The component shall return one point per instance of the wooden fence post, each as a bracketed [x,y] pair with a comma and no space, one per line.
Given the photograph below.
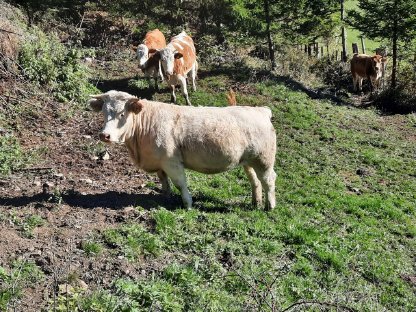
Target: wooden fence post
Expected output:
[363,44]
[354,48]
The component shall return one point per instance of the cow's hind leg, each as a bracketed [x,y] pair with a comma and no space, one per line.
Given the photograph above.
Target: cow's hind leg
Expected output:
[255,186]
[176,173]
[165,182]
[267,178]
[193,75]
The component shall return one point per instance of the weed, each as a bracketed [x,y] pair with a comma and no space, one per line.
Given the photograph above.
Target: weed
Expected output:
[22,274]
[91,248]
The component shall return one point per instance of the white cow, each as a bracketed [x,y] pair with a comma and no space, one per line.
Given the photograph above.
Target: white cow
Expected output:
[167,138]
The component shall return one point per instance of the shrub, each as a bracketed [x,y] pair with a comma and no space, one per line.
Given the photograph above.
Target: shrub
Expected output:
[51,64]
[333,73]
[397,101]
[11,154]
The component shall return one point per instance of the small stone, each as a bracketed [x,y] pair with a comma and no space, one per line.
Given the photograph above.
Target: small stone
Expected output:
[120,257]
[82,284]
[65,289]
[59,175]
[86,137]
[106,156]
[37,183]
[88,181]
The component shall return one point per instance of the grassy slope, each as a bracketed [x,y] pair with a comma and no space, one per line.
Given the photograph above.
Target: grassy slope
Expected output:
[343,231]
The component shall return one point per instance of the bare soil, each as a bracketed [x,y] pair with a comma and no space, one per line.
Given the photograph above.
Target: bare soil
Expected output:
[76,192]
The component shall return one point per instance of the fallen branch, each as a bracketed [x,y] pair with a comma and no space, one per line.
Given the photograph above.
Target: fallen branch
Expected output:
[11,32]
[325,304]
[33,169]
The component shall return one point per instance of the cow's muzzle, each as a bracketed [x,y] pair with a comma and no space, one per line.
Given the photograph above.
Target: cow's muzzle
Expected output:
[104,137]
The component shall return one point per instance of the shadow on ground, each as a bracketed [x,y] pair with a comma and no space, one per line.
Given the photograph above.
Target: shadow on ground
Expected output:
[245,74]
[122,84]
[120,200]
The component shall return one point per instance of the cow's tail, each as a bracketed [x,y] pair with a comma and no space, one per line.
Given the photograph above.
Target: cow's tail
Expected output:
[232,101]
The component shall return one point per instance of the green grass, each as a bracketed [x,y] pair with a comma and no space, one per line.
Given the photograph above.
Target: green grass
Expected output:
[343,231]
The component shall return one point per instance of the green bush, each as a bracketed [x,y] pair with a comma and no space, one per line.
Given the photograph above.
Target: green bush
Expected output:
[11,154]
[51,64]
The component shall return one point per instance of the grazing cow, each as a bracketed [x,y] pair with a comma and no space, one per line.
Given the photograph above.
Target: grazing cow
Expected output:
[148,63]
[178,59]
[166,139]
[369,67]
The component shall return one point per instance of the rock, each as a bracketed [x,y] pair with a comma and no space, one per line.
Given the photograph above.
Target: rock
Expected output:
[88,181]
[59,175]
[86,137]
[106,156]
[81,284]
[37,183]
[65,289]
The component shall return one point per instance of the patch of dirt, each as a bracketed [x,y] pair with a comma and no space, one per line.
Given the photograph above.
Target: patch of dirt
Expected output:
[76,192]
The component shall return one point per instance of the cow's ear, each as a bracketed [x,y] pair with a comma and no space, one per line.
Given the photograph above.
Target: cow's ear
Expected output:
[134,105]
[96,102]
[384,59]
[178,55]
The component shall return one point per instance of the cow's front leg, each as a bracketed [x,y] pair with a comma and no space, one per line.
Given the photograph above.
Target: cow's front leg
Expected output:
[182,82]
[172,94]
[165,182]
[176,173]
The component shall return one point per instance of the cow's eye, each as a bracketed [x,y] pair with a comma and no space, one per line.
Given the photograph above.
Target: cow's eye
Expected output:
[122,115]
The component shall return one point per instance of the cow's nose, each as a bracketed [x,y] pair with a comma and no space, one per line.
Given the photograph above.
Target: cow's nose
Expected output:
[104,137]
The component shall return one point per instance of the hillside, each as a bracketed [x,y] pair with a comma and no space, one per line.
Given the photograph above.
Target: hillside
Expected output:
[83,230]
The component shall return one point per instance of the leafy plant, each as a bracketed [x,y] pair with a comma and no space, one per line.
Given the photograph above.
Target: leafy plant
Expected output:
[50,63]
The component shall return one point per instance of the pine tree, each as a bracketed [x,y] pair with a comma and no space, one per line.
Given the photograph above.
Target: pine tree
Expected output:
[394,20]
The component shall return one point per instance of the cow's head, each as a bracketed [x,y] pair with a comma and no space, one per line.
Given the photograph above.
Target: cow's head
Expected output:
[379,65]
[167,59]
[142,54]
[118,109]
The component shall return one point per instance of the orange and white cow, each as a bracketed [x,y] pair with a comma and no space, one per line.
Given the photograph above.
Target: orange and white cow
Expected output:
[178,60]
[148,63]
[369,67]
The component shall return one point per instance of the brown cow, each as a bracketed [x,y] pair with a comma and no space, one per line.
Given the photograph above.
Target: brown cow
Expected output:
[148,63]
[369,67]
[178,59]
[166,139]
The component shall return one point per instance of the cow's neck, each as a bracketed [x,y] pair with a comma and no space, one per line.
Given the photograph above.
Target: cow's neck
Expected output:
[140,128]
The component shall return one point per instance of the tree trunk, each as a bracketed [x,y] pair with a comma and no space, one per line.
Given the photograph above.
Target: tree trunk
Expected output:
[394,43]
[343,34]
[268,33]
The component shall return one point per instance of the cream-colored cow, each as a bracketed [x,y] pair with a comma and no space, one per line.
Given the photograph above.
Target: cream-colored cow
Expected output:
[166,139]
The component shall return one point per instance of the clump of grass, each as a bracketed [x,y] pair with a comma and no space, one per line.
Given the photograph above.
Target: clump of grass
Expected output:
[133,241]
[91,248]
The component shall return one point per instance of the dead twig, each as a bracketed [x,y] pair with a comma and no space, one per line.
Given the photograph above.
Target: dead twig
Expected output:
[10,32]
[319,303]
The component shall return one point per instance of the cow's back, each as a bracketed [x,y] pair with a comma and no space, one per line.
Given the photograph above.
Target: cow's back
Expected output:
[155,39]
[361,65]
[184,45]
[216,139]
